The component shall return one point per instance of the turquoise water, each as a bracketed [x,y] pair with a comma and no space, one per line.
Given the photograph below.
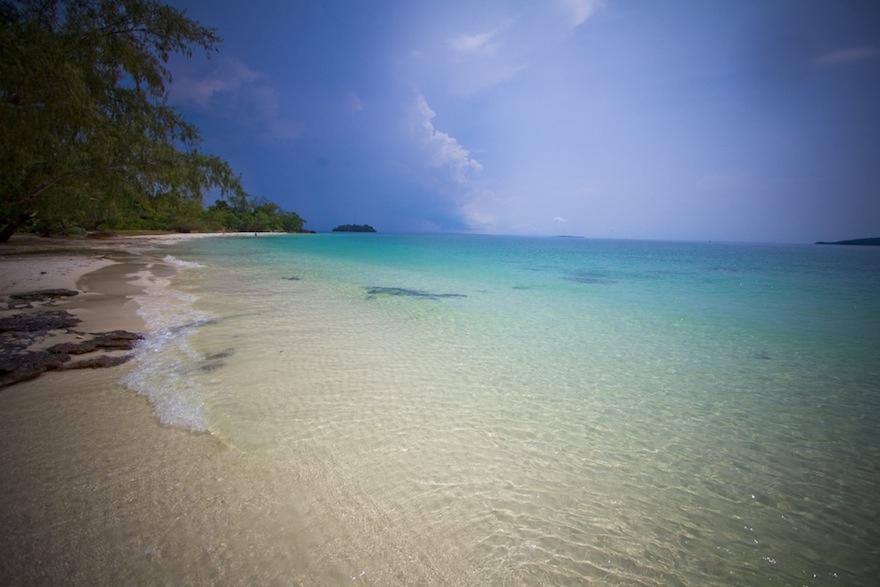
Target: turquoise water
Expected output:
[474,409]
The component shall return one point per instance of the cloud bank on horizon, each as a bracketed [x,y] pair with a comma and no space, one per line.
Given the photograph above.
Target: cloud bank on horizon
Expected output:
[606,118]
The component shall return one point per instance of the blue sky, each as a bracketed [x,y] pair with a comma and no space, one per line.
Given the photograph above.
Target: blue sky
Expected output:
[741,120]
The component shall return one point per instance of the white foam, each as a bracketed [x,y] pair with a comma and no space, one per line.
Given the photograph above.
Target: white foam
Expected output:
[180,263]
[163,364]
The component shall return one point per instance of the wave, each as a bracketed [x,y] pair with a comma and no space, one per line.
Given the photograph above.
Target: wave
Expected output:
[180,263]
[163,359]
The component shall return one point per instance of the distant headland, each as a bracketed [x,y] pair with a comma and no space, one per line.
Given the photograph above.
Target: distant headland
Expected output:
[865,242]
[354,228]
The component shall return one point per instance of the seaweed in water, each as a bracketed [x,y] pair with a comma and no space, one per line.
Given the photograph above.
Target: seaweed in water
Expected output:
[372,292]
[292,278]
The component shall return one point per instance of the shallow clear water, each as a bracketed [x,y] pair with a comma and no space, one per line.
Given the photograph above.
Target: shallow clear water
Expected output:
[468,409]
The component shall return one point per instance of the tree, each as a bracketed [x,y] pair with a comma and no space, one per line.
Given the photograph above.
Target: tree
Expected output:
[253,216]
[87,130]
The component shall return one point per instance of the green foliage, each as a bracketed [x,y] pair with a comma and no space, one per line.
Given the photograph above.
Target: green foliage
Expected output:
[88,138]
[354,228]
[250,216]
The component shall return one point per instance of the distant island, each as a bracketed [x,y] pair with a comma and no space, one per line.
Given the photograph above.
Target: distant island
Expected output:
[354,228]
[865,242]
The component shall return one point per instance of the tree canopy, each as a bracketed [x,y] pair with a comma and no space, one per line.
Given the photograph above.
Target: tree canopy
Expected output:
[354,228]
[89,138]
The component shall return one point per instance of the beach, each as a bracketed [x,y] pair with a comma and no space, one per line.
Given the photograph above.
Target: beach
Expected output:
[448,409]
[94,490]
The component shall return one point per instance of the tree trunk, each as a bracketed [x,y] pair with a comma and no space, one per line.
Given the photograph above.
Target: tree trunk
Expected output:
[7,231]
[12,226]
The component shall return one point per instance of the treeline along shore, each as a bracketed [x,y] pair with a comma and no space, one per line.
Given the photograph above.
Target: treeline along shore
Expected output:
[90,142]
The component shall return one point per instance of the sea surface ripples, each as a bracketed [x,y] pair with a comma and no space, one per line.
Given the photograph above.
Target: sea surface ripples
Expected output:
[476,410]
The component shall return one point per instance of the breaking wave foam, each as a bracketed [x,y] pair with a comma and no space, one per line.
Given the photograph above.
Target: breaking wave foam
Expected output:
[164,360]
[172,260]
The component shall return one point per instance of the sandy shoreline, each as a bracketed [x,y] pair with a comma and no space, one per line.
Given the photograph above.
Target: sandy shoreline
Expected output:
[30,263]
[93,486]
[95,490]
[108,274]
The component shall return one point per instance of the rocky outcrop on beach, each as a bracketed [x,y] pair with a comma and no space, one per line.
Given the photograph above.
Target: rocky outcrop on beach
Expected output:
[44,295]
[28,346]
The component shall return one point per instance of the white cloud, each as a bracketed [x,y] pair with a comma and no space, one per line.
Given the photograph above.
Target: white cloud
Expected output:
[478,44]
[476,215]
[227,77]
[443,150]
[848,55]
[578,11]
[559,220]
[233,89]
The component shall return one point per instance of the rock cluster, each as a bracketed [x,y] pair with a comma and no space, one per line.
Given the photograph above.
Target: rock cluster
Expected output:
[20,332]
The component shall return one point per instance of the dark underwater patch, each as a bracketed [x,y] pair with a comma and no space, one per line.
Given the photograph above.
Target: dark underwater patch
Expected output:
[292,278]
[215,361]
[221,355]
[193,324]
[372,292]
[211,366]
[590,278]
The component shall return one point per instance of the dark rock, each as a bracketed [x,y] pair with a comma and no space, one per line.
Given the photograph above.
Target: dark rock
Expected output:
[19,331]
[411,293]
[38,322]
[44,295]
[117,339]
[114,340]
[97,362]
[21,367]
[73,348]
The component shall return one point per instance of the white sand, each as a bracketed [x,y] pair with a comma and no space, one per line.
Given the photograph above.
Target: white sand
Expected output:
[22,273]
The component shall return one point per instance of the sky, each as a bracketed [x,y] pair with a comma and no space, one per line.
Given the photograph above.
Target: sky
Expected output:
[739,120]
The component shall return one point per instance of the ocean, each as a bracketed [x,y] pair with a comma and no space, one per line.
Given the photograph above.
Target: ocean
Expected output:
[461,409]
